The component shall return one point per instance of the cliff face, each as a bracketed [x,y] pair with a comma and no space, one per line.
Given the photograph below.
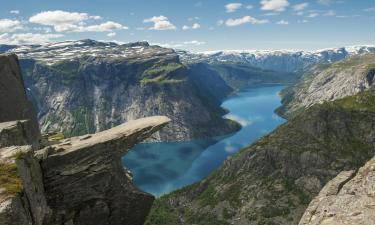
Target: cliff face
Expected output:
[14,104]
[329,82]
[273,181]
[347,199]
[75,181]
[101,85]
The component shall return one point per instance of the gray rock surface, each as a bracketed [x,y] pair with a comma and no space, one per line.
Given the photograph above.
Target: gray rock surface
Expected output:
[17,133]
[85,181]
[13,101]
[348,199]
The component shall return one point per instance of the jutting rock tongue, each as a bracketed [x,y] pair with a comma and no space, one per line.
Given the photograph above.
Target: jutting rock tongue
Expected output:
[85,182]
[14,104]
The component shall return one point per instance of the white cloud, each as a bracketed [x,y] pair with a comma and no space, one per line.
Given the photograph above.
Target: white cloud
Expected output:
[181,44]
[58,17]
[194,42]
[313,15]
[63,21]
[330,13]
[103,27]
[300,7]
[232,7]
[244,20]
[160,23]
[249,7]
[282,22]
[220,22]
[112,34]
[27,38]
[193,27]
[7,25]
[14,11]
[274,5]
[372,9]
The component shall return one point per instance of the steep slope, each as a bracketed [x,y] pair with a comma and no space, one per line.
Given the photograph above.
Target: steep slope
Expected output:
[86,86]
[12,90]
[272,181]
[329,82]
[278,60]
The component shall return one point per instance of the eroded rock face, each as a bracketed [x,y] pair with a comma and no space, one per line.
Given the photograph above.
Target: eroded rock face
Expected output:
[17,133]
[347,199]
[14,104]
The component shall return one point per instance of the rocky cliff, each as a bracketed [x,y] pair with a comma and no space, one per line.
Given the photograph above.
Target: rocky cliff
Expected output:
[14,104]
[86,86]
[347,199]
[75,181]
[273,181]
[328,82]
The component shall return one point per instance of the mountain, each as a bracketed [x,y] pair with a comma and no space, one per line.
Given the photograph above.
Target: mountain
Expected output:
[87,86]
[278,60]
[328,82]
[273,180]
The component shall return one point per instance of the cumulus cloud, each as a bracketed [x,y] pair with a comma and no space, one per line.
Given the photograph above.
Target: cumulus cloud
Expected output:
[232,7]
[63,21]
[28,38]
[244,20]
[193,27]
[112,34]
[14,11]
[182,44]
[103,27]
[313,15]
[282,22]
[7,25]
[300,7]
[160,23]
[274,5]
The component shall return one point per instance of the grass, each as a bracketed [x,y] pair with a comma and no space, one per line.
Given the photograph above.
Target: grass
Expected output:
[9,179]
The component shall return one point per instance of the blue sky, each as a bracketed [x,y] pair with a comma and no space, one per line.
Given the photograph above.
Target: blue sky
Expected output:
[197,25]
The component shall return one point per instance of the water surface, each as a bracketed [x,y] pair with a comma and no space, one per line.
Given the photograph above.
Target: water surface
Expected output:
[160,168]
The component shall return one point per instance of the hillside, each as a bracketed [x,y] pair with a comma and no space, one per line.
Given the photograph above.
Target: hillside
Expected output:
[328,82]
[273,180]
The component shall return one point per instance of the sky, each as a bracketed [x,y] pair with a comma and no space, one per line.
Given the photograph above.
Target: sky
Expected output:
[195,25]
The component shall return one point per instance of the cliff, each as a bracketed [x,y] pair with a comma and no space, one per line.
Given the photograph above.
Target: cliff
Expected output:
[75,181]
[14,104]
[274,180]
[328,82]
[346,199]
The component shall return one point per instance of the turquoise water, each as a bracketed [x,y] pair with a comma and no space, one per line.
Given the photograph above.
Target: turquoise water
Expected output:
[159,168]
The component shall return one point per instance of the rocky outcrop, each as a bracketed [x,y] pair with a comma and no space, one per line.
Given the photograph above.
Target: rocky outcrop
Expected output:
[347,199]
[85,181]
[78,181]
[329,82]
[75,181]
[14,104]
[274,180]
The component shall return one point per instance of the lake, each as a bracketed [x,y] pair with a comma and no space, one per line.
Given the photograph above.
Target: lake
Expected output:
[159,168]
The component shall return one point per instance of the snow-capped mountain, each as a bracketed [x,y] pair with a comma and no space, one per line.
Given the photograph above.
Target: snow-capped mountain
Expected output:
[69,50]
[278,60]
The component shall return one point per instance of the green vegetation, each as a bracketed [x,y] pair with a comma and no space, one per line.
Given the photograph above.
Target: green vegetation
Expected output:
[161,214]
[84,122]
[9,179]
[164,73]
